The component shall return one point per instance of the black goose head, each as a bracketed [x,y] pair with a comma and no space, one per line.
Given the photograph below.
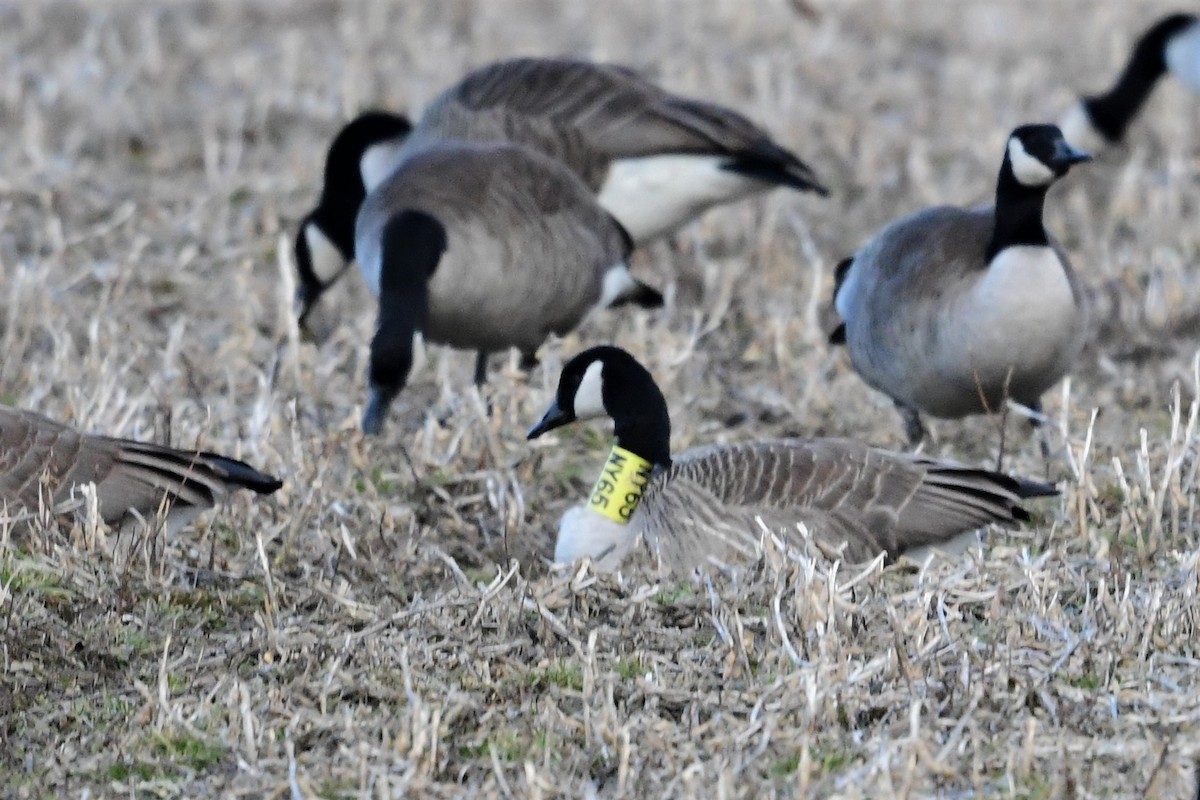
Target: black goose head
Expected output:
[325,241]
[1038,155]
[608,381]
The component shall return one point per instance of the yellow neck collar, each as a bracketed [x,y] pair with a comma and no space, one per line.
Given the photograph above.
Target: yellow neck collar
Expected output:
[619,489]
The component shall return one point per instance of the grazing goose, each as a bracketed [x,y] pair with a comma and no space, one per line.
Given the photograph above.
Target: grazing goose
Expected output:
[41,459]
[705,503]
[484,247]
[655,160]
[951,311]
[325,240]
[1171,45]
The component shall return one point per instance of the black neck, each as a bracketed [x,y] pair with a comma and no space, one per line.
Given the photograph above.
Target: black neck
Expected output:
[1112,111]
[640,418]
[1018,213]
[338,209]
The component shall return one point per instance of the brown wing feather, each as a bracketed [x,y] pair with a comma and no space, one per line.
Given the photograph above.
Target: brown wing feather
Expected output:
[41,459]
[588,115]
[848,495]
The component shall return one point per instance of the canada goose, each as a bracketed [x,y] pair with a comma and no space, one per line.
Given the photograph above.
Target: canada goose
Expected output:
[1170,45]
[325,239]
[484,247]
[655,160]
[951,311]
[42,462]
[706,503]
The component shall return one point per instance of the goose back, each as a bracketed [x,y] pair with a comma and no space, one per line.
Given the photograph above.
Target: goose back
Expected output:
[854,500]
[528,248]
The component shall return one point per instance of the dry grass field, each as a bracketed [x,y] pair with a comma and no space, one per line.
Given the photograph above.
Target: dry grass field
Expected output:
[387,625]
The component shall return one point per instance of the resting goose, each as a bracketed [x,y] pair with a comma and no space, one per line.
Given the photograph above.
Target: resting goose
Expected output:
[43,463]
[706,504]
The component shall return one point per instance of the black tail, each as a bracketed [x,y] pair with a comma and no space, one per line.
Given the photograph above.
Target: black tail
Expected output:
[773,164]
[641,295]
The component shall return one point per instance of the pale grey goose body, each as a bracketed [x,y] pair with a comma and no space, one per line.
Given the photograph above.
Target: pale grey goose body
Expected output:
[953,311]
[655,160]
[1170,46]
[43,463]
[705,504]
[484,247]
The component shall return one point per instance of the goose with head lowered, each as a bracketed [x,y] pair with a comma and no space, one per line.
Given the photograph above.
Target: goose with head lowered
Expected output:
[953,311]
[708,504]
[654,160]
[1170,46]
[484,247]
[43,463]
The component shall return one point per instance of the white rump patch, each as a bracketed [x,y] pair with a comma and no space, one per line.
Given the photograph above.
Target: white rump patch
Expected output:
[327,261]
[379,161]
[583,533]
[654,195]
[617,283]
[1183,56]
[1077,128]
[1028,170]
[589,397]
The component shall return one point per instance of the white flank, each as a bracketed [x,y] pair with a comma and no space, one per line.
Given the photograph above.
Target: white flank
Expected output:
[583,533]
[949,549]
[589,397]
[1077,128]
[379,161]
[1026,168]
[654,195]
[1183,56]
[327,262]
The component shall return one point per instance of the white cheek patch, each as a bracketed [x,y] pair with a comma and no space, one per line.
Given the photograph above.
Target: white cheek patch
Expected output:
[1077,128]
[589,397]
[1183,56]
[327,262]
[379,161]
[1027,169]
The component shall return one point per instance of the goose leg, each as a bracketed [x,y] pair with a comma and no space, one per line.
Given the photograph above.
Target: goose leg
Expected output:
[481,360]
[1036,424]
[529,361]
[913,428]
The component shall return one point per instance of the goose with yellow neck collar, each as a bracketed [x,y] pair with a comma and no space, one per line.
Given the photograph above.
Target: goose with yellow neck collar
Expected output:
[705,505]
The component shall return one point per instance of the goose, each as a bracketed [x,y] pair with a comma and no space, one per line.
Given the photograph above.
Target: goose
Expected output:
[952,311]
[707,504]
[484,247]
[1171,45]
[655,160]
[43,462]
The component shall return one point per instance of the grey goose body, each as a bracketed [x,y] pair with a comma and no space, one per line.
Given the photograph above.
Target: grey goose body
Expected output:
[710,503]
[44,462]
[484,247]
[1171,46]
[653,159]
[951,311]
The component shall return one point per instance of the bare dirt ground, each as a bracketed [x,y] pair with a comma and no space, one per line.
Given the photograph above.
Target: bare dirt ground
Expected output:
[378,629]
